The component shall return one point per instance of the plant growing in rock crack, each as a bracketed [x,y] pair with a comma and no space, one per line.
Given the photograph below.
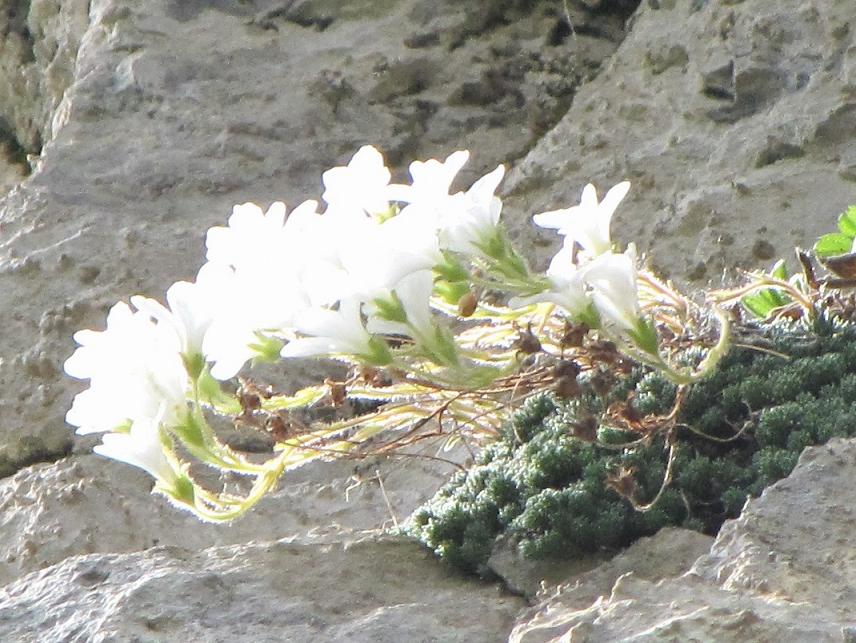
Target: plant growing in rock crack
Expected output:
[638,407]
[624,451]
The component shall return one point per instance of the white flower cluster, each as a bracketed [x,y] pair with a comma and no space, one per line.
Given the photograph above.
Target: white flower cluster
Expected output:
[589,280]
[332,283]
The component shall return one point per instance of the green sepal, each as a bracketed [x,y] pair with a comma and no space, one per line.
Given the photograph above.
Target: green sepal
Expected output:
[833,244]
[378,354]
[180,491]
[267,348]
[390,309]
[390,212]
[443,348]
[451,269]
[190,432]
[501,256]
[194,364]
[123,427]
[451,291]
[210,392]
[645,337]
[589,316]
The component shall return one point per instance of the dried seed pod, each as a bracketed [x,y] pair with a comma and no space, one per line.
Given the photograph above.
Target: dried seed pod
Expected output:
[250,396]
[338,392]
[585,428]
[601,382]
[374,377]
[573,335]
[623,482]
[279,429]
[567,388]
[467,304]
[526,341]
[566,368]
[603,350]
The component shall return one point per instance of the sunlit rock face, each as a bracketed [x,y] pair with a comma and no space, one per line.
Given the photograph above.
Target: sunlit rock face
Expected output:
[139,124]
[735,122]
[127,128]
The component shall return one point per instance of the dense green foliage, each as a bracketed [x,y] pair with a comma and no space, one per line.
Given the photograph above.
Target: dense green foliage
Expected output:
[547,490]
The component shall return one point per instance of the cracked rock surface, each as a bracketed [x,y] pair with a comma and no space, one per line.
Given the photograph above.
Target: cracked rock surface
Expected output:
[783,571]
[143,122]
[276,591]
[734,121]
[128,127]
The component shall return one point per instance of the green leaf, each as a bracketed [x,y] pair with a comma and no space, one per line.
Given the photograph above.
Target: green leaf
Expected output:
[847,222]
[763,302]
[779,271]
[833,244]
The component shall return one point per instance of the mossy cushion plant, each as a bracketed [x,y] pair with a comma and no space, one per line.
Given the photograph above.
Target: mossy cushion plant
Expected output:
[560,483]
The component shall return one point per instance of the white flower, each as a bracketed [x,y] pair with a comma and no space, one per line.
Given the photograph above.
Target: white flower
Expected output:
[363,184]
[135,370]
[363,257]
[193,307]
[279,267]
[140,447]
[588,222]
[333,332]
[412,295]
[431,180]
[567,286]
[471,217]
[251,238]
[376,256]
[612,278]
[251,306]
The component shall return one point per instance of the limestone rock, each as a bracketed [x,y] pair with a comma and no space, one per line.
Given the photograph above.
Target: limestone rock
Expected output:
[580,582]
[735,122]
[127,127]
[783,571]
[145,121]
[372,590]
[89,504]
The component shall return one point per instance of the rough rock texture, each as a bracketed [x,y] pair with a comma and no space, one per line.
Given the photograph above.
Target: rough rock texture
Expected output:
[127,127]
[670,552]
[86,504]
[146,120]
[280,591]
[735,121]
[38,50]
[784,571]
